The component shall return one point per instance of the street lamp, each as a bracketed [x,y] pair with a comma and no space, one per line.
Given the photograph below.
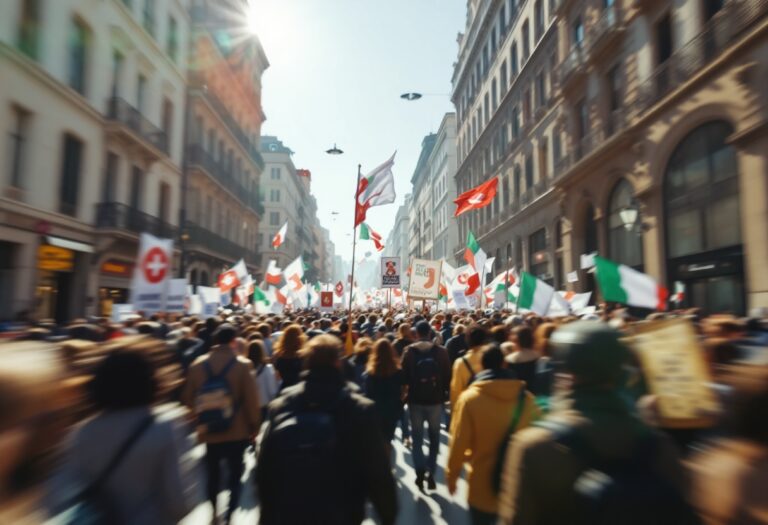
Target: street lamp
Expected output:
[629,215]
[334,150]
[411,96]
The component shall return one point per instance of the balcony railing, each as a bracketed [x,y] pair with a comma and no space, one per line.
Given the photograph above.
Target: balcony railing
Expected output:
[120,111]
[609,23]
[199,236]
[118,216]
[199,157]
[572,62]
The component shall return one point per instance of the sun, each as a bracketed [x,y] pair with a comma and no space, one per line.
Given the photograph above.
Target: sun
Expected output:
[272,21]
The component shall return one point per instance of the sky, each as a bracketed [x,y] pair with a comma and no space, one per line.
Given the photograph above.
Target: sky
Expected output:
[337,69]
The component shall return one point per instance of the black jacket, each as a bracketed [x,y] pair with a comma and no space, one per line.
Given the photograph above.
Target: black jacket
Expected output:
[410,358]
[363,471]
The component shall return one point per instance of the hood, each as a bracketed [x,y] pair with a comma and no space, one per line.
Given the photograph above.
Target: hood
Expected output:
[498,386]
[423,345]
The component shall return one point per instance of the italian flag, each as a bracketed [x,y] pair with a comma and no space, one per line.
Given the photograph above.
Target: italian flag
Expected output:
[375,189]
[367,234]
[274,274]
[535,295]
[259,296]
[472,248]
[621,284]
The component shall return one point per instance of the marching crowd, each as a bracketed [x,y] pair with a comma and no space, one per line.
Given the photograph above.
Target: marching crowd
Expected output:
[550,421]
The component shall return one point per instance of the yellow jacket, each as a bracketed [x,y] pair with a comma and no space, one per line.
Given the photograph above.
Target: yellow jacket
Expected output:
[461,374]
[479,424]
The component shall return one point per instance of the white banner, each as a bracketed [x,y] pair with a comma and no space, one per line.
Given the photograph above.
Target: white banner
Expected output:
[120,312]
[176,300]
[210,297]
[425,279]
[390,272]
[152,273]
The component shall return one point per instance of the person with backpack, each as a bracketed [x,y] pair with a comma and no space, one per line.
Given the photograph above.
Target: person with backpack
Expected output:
[323,455]
[487,413]
[466,367]
[225,400]
[427,373]
[592,460]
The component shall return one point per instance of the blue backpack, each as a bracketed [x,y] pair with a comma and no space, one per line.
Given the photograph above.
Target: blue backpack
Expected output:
[215,404]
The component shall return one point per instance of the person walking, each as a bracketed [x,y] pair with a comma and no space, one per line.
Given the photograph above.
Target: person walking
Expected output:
[466,367]
[609,466]
[487,413]
[323,455]
[286,355]
[427,374]
[263,374]
[225,399]
[522,362]
[383,384]
[403,340]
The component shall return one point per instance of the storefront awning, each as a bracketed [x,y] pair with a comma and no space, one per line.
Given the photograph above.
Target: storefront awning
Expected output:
[69,245]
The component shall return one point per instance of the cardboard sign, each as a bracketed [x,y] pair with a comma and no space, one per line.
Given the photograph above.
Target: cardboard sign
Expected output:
[425,279]
[675,370]
[390,272]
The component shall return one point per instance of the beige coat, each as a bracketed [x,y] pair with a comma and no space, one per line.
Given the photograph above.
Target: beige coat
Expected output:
[248,415]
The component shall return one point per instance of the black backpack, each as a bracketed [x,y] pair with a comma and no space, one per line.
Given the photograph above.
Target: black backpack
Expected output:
[427,384]
[627,491]
[215,405]
[93,505]
[304,447]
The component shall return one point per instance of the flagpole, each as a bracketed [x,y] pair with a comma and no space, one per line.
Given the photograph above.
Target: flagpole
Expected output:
[354,245]
[506,285]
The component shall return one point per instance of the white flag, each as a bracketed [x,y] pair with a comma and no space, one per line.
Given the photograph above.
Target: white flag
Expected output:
[152,273]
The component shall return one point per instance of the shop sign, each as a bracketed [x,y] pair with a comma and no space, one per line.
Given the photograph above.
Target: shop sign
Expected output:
[55,259]
[116,268]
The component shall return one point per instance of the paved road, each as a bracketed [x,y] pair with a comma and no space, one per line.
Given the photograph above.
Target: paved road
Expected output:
[436,507]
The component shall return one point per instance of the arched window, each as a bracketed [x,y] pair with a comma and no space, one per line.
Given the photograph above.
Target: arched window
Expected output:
[624,246]
[701,193]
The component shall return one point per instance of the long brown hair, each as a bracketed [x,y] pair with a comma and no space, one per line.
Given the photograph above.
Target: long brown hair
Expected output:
[290,342]
[383,361]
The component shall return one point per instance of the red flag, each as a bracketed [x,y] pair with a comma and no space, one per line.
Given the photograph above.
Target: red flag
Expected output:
[477,197]
[339,289]
[473,283]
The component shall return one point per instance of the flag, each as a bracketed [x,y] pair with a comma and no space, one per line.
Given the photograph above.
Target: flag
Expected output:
[339,289]
[279,237]
[535,294]
[259,296]
[274,274]
[621,284]
[477,197]
[472,248]
[367,234]
[233,277]
[375,189]
[679,295]
[294,273]
[281,295]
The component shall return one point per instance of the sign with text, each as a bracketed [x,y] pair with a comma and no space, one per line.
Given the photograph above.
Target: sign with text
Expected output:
[390,272]
[55,259]
[675,370]
[425,279]
[176,300]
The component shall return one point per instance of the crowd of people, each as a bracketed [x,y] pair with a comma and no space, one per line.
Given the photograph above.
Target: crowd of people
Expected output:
[550,421]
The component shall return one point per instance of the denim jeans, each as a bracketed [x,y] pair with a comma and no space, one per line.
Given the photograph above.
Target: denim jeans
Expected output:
[230,452]
[431,414]
[405,423]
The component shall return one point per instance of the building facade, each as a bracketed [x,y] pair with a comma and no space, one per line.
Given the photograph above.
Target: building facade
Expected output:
[101,162]
[224,164]
[397,244]
[442,180]
[421,216]
[627,128]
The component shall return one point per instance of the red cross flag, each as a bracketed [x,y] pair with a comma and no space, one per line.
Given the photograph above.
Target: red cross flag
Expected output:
[339,289]
[151,274]
[280,236]
[233,277]
[477,197]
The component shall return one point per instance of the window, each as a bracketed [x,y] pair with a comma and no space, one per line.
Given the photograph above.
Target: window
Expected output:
[577,32]
[582,126]
[274,173]
[494,95]
[701,192]
[613,82]
[513,63]
[109,188]
[526,106]
[274,218]
[79,42]
[624,246]
[70,174]
[274,195]
[663,39]
[538,20]
[503,78]
[137,188]
[528,172]
[517,188]
[163,206]
[493,41]
[28,36]
[537,252]
[541,94]
[543,158]
[505,192]
[141,93]
[515,122]
[502,20]
[526,41]
[167,120]
[148,17]
[18,140]
[172,39]
[117,70]
[557,147]
[486,108]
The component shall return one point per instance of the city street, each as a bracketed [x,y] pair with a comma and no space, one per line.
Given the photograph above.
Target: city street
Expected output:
[437,507]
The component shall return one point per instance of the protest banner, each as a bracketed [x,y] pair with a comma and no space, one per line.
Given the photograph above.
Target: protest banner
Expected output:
[120,312]
[326,300]
[176,299]
[390,272]
[425,279]
[675,371]
[151,274]
[210,297]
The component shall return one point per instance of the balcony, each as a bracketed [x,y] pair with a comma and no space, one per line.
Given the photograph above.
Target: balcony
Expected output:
[573,68]
[123,218]
[604,36]
[721,31]
[198,238]
[127,122]
[197,156]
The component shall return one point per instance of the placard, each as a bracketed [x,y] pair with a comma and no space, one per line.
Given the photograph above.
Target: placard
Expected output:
[425,279]
[674,368]
[390,272]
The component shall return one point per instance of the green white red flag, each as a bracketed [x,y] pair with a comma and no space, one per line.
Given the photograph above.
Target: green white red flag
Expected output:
[535,295]
[621,284]
[368,234]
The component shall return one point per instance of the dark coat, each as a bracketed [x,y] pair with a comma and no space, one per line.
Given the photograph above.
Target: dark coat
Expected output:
[385,393]
[410,358]
[363,470]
